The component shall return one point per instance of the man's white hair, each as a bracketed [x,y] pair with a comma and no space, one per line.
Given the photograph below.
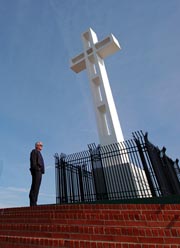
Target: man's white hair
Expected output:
[37,143]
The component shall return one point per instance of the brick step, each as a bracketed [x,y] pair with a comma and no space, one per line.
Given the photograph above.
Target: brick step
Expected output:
[162,224]
[103,211]
[85,207]
[34,242]
[120,222]
[56,231]
[91,226]
[114,223]
[96,213]
[123,214]
[93,218]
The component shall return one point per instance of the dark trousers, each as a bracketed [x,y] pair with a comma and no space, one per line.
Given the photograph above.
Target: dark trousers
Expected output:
[34,191]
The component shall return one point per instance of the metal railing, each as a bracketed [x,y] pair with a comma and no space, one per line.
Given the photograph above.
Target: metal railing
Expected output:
[132,169]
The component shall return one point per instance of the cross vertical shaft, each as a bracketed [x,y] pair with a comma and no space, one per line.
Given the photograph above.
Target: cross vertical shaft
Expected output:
[92,59]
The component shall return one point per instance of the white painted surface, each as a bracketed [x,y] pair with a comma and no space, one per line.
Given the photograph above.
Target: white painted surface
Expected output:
[92,59]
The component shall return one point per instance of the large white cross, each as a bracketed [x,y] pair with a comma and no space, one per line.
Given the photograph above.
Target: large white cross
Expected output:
[108,124]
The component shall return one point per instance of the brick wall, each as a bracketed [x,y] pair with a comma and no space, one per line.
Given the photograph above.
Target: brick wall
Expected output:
[91,226]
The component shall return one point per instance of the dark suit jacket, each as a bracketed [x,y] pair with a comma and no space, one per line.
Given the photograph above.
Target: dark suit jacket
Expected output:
[36,161]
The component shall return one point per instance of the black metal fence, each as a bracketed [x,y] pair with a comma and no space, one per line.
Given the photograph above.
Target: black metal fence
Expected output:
[131,169]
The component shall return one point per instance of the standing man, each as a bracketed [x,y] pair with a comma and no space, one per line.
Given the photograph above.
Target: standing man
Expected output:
[37,169]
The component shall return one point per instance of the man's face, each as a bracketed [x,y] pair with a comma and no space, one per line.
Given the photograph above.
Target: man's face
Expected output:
[39,146]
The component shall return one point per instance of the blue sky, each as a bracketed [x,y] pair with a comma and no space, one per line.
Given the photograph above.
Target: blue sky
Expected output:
[41,98]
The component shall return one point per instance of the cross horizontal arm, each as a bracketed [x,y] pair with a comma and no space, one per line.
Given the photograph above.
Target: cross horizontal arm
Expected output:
[78,63]
[107,46]
[103,48]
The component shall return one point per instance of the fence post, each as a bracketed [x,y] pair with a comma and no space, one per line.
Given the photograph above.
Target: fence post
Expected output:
[177,168]
[81,183]
[57,170]
[145,166]
[64,195]
[170,172]
[98,174]
[154,155]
